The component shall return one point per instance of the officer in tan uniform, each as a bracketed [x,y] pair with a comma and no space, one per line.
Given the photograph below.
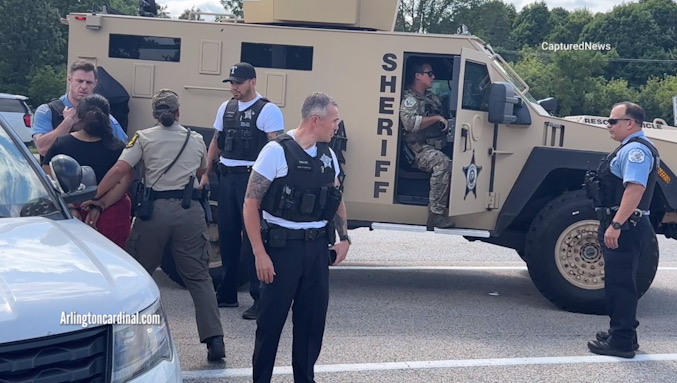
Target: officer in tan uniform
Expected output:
[425,134]
[173,158]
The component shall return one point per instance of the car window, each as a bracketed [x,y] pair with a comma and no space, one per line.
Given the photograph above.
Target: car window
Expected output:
[12,105]
[23,192]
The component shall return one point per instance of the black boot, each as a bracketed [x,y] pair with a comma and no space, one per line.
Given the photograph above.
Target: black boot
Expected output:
[216,349]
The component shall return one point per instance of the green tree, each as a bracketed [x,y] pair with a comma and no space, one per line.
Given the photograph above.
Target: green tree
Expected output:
[633,30]
[531,25]
[489,20]
[233,6]
[566,75]
[656,97]
[64,7]
[186,13]
[603,94]
[29,38]
[429,16]
[569,31]
[46,83]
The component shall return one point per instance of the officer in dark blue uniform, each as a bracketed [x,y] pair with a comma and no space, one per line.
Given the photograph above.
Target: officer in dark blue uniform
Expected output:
[243,124]
[622,189]
[295,183]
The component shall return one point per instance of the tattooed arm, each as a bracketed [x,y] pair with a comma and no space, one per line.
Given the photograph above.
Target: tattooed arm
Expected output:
[273,135]
[341,223]
[256,188]
[212,151]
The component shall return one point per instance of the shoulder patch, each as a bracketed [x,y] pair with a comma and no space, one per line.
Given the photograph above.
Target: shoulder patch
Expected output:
[133,140]
[42,109]
[636,156]
[410,101]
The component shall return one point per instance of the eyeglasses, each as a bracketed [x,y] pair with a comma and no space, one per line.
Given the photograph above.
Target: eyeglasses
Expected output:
[614,121]
[429,73]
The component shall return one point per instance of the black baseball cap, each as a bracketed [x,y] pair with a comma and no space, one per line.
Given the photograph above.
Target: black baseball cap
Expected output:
[241,72]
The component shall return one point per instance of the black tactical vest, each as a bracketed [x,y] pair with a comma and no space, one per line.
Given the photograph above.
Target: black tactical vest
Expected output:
[610,187]
[56,106]
[307,193]
[241,139]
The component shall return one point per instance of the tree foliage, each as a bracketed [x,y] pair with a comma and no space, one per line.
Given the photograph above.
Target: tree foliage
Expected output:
[233,6]
[29,38]
[641,66]
[186,13]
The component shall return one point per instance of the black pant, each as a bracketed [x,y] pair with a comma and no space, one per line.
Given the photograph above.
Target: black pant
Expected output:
[302,278]
[620,282]
[233,241]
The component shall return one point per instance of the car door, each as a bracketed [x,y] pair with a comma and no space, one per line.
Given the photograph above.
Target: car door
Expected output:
[471,173]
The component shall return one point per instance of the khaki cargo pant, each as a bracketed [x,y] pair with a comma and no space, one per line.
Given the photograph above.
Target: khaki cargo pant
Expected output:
[438,164]
[186,231]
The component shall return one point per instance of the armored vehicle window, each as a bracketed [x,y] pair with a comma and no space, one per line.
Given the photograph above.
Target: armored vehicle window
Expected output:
[476,87]
[278,56]
[151,48]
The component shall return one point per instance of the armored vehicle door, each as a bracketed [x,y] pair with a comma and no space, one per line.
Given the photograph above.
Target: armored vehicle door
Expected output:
[471,173]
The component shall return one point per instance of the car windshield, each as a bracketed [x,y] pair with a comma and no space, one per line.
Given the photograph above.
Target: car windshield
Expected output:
[23,192]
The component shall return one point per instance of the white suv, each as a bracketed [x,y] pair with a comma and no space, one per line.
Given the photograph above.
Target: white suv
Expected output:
[17,113]
[73,305]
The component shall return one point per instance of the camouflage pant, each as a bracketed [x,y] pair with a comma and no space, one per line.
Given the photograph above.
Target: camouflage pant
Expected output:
[434,161]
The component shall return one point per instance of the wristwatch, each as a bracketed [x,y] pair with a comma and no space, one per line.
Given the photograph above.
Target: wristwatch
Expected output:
[616,225]
[345,237]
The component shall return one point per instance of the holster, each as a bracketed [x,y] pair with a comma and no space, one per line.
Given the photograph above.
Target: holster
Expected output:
[331,232]
[273,236]
[188,193]
[144,196]
[204,202]
[334,197]
[606,216]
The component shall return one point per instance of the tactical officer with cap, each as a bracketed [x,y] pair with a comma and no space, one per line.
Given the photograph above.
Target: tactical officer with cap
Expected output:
[425,135]
[170,212]
[621,189]
[294,182]
[244,124]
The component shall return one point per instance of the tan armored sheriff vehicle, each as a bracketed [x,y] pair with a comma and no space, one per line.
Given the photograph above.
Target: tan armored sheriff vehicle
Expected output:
[517,171]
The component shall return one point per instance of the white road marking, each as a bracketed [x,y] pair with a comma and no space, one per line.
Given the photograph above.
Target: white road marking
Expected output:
[347,267]
[430,364]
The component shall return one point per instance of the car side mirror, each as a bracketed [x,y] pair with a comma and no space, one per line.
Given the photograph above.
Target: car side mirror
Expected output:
[69,176]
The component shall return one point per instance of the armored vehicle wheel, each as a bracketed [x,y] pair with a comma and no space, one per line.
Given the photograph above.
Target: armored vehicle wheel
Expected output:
[565,260]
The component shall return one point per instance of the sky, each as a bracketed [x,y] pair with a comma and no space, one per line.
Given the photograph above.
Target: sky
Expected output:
[176,7]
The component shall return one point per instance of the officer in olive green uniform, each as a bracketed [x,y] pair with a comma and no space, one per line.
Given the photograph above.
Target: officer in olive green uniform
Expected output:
[425,134]
[177,216]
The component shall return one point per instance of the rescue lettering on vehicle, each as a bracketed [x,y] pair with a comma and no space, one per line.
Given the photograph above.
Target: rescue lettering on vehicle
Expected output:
[386,120]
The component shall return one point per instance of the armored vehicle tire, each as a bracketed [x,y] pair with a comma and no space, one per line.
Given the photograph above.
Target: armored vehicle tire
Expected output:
[565,260]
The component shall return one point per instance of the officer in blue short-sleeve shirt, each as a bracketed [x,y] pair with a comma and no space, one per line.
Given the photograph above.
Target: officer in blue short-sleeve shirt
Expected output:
[624,187]
[57,117]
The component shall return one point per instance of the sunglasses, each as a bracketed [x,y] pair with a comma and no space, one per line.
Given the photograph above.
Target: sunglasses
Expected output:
[429,73]
[614,121]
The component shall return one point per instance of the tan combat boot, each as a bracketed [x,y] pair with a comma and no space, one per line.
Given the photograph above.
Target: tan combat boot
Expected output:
[441,221]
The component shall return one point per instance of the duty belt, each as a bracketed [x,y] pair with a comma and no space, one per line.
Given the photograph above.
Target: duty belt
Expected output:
[304,234]
[234,169]
[177,194]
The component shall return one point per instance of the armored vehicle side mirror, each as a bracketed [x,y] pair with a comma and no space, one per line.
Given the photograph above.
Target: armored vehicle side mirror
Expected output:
[506,106]
[549,104]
